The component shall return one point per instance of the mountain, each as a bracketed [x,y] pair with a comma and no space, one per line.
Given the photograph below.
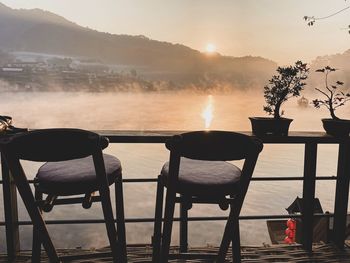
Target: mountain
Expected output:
[340,61]
[41,31]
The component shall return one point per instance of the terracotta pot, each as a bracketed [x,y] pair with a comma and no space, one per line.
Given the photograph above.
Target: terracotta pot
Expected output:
[338,128]
[270,126]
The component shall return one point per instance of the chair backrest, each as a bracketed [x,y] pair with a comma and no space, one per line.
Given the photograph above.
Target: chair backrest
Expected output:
[50,145]
[214,145]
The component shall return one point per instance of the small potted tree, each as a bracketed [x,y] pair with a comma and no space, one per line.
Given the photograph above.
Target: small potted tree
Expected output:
[289,82]
[334,98]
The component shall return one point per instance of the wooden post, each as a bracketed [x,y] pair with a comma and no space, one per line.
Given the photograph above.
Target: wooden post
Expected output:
[10,211]
[341,194]
[308,194]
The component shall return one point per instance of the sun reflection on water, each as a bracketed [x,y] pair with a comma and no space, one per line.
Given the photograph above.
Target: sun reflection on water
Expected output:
[208,112]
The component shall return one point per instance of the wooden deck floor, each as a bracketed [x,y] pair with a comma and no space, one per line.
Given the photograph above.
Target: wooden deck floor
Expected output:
[273,253]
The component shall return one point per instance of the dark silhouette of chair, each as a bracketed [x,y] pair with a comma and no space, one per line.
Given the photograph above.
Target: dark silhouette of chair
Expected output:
[75,165]
[198,173]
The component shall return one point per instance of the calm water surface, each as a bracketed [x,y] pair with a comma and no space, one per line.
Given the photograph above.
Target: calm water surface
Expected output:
[169,111]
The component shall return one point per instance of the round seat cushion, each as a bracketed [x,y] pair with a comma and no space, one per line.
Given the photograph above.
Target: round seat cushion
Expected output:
[205,178]
[76,176]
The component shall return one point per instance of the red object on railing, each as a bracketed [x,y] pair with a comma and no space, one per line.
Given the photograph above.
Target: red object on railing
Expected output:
[290,231]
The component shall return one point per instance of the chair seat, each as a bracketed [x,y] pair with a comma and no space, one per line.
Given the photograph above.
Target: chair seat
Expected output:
[205,178]
[76,176]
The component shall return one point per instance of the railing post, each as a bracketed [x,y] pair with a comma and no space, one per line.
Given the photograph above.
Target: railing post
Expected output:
[183,226]
[309,194]
[10,211]
[341,194]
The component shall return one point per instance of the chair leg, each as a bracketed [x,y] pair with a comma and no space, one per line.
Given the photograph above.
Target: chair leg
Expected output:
[33,211]
[229,235]
[106,202]
[36,244]
[108,215]
[168,224]
[236,243]
[120,219]
[158,221]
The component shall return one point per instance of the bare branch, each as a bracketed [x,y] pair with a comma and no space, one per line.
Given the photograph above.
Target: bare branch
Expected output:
[324,93]
[312,19]
[333,14]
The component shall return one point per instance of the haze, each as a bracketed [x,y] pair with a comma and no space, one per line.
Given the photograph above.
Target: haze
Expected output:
[267,28]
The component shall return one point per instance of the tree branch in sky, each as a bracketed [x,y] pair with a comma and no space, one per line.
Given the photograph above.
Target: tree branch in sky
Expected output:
[312,19]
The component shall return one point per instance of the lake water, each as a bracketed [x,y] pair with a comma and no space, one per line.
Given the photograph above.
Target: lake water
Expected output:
[169,111]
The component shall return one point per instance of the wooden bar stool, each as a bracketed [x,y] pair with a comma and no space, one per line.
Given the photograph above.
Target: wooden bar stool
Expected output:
[75,166]
[198,173]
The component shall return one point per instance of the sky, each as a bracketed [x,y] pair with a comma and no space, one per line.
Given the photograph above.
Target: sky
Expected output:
[273,29]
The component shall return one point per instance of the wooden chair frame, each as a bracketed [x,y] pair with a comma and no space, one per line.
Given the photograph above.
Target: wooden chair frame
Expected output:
[60,145]
[203,145]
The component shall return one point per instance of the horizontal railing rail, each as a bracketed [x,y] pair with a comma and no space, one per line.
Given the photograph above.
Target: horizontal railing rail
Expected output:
[272,178]
[178,219]
[202,218]
[309,139]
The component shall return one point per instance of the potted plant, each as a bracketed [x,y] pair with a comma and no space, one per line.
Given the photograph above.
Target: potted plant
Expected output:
[289,82]
[333,99]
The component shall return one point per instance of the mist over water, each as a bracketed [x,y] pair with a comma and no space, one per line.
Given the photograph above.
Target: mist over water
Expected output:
[169,111]
[149,111]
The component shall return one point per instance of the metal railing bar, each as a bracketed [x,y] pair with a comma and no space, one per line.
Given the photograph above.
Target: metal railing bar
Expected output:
[290,178]
[70,201]
[151,219]
[140,180]
[272,178]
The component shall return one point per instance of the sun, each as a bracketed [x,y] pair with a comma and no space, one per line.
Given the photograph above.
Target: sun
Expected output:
[210,48]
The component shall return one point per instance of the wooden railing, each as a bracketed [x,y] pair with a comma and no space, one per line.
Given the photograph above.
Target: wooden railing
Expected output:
[309,139]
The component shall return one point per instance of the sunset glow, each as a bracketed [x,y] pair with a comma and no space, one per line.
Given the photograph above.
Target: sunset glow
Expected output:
[208,112]
[210,48]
